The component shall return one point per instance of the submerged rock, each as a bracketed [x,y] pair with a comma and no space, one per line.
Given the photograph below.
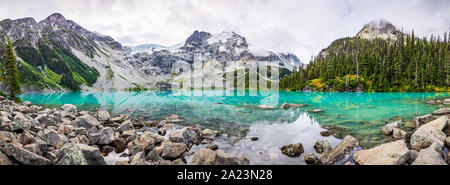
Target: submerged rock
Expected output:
[341,151]
[394,153]
[326,133]
[388,128]
[315,110]
[290,105]
[292,150]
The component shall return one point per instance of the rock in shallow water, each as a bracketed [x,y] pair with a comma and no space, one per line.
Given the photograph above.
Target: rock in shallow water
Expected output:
[388,128]
[442,111]
[398,133]
[322,146]
[422,119]
[394,153]
[292,150]
[290,105]
[310,158]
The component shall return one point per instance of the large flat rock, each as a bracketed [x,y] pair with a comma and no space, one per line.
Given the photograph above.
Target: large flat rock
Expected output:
[394,153]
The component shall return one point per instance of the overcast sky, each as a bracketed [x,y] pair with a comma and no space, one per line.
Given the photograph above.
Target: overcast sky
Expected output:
[296,26]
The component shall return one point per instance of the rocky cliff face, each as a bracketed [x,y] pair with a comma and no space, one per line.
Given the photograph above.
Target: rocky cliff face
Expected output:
[380,28]
[59,54]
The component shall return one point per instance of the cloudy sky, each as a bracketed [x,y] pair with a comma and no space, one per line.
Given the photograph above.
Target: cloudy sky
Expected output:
[298,26]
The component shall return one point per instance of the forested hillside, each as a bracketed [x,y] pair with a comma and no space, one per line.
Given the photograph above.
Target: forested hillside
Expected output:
[403,63]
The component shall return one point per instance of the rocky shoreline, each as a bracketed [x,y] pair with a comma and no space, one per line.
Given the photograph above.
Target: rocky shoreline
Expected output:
[33,135]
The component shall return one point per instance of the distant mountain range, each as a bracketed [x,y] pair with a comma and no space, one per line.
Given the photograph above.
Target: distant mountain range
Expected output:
[57,54]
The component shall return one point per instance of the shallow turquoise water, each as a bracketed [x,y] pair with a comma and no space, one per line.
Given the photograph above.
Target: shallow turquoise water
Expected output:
[361,114]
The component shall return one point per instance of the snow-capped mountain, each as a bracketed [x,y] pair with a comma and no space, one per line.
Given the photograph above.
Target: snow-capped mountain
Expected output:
[59,54]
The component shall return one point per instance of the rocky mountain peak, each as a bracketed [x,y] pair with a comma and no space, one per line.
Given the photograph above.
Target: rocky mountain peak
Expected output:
[379,28]
[55,17]
[197,38]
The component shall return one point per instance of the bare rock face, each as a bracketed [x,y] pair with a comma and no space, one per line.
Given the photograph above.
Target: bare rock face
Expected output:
[394,153]
[428,134]
[429,156]
[388,128]
[341,151]
[24,156]
[380,28]
[207,156]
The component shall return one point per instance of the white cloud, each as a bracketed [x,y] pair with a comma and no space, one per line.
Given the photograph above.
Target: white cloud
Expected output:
[300,27]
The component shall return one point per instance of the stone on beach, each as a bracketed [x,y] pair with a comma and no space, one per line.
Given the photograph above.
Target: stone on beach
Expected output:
[399,133]
[24,156]
[394,153]
[429,156]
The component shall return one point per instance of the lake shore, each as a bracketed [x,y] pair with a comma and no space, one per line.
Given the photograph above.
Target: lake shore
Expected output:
[30,134]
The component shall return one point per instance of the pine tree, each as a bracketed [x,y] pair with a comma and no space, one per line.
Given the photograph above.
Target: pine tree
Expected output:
[11,79]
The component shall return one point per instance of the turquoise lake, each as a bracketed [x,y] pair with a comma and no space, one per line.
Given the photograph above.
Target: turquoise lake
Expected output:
[358,114]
